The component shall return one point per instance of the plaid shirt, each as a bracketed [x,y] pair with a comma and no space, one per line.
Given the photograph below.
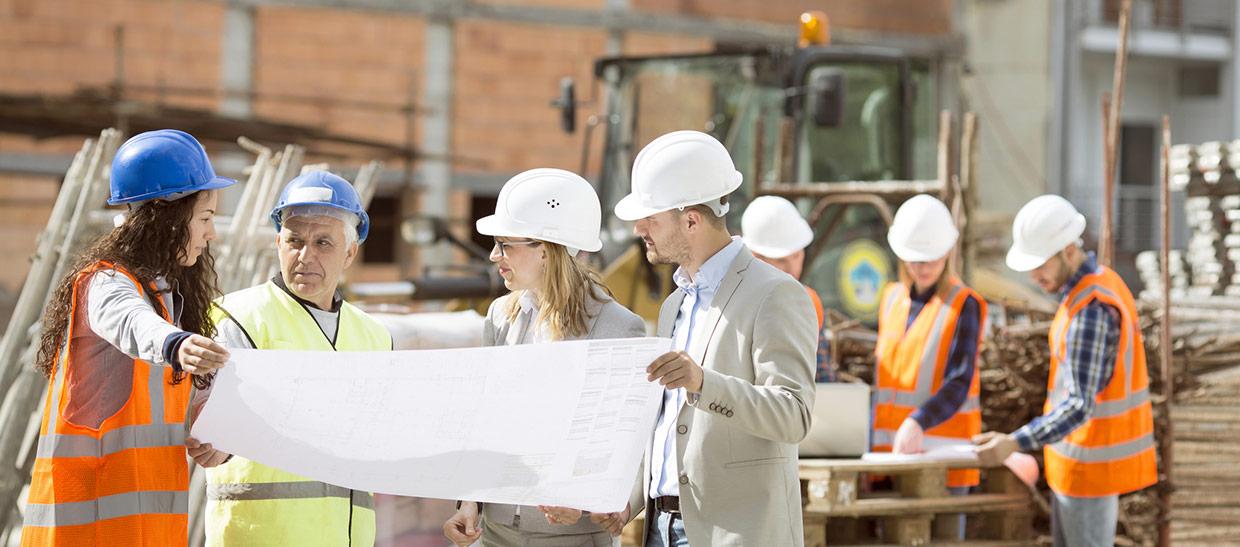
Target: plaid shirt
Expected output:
[1092,343]
[958,373]
[827,372]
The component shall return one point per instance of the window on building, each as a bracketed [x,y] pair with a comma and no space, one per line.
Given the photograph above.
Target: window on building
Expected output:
[481,206]
[380,247]
[1164,14]
[1198,81]
[1137,193]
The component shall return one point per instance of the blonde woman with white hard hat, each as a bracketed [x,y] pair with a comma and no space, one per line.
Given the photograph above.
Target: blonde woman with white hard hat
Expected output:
[929,335]
[1097,432]
[542,220]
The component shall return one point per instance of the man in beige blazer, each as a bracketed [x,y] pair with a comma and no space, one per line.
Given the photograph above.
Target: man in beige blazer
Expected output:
[722,465]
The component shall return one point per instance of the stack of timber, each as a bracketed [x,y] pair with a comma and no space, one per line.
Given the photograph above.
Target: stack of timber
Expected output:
[1205,508]
[840,509]
[1207,173]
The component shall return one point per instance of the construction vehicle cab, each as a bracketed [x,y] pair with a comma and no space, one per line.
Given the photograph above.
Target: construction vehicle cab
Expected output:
[789,117]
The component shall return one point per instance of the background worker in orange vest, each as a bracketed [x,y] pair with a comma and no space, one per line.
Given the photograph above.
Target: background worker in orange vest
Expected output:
[929,334]
[1097,429]
[772,228]
[119,336]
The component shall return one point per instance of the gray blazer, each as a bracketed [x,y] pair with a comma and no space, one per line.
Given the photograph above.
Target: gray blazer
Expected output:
[737,444]
[608,319]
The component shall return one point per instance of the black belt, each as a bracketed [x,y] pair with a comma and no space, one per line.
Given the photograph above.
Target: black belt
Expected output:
[667,504]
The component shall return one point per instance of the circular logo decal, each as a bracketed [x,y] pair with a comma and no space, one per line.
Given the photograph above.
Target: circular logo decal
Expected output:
[864,270]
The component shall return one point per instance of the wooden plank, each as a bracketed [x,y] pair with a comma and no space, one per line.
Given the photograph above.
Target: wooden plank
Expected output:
[810,468]
[928,483]
[908,530]
[815,529]
[975,503]
[831,489]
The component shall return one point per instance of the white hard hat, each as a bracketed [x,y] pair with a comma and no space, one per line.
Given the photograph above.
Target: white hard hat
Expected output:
[1042,228]
[772,227]
[922,230]
[676,170]
[548,205]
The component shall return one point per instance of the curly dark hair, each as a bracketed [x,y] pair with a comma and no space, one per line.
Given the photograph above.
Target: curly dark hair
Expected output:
[150,243]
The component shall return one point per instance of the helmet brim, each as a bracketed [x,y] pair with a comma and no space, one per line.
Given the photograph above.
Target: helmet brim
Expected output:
[214,184]
[631,209]
[495,226]
[1022,261]
[768,252]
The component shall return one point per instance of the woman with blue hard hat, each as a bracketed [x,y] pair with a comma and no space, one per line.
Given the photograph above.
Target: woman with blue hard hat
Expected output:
[124,337]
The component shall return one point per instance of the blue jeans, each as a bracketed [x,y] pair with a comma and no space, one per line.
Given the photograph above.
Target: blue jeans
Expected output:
[665,530]
[1083,522]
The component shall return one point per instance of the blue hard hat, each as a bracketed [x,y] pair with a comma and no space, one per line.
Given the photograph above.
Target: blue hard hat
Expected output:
[161,164]
[326,189]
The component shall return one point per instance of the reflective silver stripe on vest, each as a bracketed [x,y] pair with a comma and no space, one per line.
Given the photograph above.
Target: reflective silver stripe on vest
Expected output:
[930,354]
[929,361]
[286,490]
[889,396]
[107,507]
[60,445]
[1102,454]
[1111,409]
[155,388]
[1103,409]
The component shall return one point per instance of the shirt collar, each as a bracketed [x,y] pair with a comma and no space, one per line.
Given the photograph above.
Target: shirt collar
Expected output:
[710,275]
[1088,267]
[528,302]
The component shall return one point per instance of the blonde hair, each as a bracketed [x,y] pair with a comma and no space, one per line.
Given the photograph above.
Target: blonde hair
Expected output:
[566,285]
[944,283]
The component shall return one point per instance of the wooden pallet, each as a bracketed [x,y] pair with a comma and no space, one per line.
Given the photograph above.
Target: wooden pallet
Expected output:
[839,511]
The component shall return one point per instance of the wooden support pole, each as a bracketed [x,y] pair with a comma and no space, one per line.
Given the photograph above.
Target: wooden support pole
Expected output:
[1108,185]
[969,199]
[1164,343]
[945,157]
[1112,131]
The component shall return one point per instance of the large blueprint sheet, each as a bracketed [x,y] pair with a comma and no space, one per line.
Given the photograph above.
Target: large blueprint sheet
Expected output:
[564,423]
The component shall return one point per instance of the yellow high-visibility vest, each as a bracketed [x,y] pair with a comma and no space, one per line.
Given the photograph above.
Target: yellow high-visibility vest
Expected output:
[249,503]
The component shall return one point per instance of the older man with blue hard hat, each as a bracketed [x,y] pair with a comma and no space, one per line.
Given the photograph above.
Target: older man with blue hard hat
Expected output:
[320,223]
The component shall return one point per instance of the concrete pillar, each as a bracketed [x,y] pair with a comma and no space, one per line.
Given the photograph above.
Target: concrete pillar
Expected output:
[1234,70]
[615,37]
[237,61]
[436,169]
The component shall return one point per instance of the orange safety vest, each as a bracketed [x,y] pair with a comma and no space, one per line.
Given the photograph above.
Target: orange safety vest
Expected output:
[112,478]
[1112,453]
[911,363]
[813,297]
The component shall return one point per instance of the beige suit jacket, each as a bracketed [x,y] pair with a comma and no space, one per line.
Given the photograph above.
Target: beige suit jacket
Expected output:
[737,445]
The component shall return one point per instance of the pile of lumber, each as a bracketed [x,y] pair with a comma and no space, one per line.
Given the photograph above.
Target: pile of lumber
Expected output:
[1207,173]
[1205,507]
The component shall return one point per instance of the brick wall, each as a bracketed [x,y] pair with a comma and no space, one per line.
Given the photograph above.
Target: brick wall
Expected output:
[903,16]
[349,72]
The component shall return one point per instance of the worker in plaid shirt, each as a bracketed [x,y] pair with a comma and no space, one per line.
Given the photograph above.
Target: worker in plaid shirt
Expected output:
[1097,433]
